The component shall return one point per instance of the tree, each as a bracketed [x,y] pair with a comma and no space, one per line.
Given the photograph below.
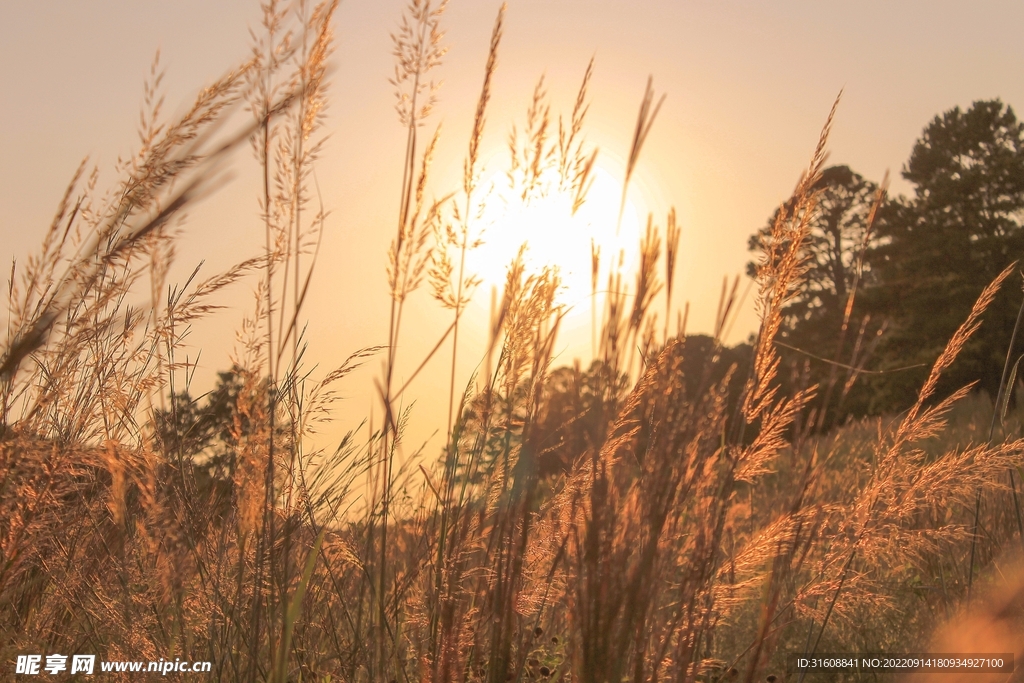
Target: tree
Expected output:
[579,405]
[838,235]
[940,248]
[203,435]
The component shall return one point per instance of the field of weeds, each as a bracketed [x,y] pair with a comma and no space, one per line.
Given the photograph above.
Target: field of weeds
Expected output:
[661,512]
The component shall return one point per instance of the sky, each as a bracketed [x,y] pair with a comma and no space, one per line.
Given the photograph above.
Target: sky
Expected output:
[748,86]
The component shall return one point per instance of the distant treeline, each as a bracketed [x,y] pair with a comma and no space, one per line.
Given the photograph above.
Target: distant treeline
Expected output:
[889,279]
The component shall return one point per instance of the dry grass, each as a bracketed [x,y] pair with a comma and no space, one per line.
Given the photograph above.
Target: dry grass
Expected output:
[635,520]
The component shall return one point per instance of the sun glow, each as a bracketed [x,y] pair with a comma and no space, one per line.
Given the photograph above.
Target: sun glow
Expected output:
[553,236]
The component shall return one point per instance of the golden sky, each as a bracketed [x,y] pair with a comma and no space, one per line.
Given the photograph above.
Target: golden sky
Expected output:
[748,87]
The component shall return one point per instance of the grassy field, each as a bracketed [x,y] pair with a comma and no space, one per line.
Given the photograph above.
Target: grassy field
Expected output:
[661,512]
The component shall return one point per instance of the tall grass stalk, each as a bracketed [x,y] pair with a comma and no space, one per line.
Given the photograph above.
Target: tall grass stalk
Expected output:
[418,50]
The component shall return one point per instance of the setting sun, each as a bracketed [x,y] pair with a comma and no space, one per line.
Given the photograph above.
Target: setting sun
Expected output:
[554,236]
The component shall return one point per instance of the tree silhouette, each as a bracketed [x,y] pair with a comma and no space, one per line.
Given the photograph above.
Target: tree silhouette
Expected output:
[202,434]
[942,246]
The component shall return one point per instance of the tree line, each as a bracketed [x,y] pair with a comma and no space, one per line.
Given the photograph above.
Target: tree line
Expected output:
[889,279]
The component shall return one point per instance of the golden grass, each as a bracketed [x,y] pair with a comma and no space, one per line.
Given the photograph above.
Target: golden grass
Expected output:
[633,520]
